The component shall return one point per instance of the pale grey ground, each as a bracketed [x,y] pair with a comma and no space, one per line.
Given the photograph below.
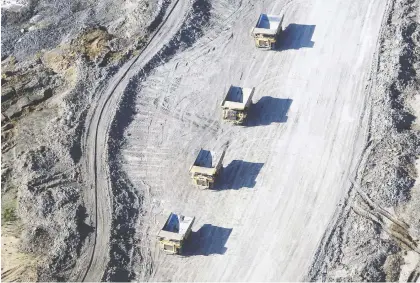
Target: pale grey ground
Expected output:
[285,193]
[286,172]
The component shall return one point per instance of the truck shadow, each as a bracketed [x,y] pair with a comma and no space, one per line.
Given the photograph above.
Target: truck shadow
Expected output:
[208,240]
[268,110]
[237,175]
[296,36]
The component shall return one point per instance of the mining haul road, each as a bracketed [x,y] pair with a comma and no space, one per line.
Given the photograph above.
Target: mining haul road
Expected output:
[98,196]
[287,171]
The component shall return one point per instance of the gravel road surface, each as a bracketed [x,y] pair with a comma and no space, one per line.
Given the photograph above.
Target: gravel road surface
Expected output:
[98,198]
[287,170]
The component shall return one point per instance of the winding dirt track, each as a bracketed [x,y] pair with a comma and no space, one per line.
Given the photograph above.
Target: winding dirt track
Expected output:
[286,172]
[98,199]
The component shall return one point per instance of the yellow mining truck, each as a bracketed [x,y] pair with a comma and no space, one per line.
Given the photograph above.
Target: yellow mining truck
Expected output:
[236,104]
[173,234]
[206,168]
[267,30]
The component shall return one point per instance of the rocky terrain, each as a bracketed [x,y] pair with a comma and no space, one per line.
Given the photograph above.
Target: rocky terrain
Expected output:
[59,57]
[55,54]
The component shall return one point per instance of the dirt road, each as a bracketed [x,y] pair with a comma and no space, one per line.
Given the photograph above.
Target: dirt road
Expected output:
[286,172]
[98,199]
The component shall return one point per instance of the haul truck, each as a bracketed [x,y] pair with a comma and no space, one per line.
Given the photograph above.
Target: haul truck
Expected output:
[267,30]
[236,104]
[206,168]
[176,230]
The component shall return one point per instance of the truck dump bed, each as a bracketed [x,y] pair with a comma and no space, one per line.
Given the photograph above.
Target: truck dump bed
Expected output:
[207,162]
[176,226]
[268,24]
[238,98]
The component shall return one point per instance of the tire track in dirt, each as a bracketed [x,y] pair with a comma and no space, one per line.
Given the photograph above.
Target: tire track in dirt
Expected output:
[344,210]
[154,104]
[98,199]
[395,227]
[249,255]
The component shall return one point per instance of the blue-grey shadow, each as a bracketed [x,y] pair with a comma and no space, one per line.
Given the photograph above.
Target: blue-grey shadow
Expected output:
[237,175]
[296,36]
[268,110]
[204,159]
[208,240]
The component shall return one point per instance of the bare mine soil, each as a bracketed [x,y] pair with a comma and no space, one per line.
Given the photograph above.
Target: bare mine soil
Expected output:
[105,105]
